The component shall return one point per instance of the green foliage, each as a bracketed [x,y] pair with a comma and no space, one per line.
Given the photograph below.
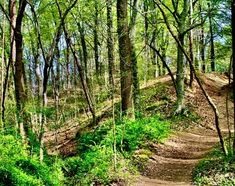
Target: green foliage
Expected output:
[96,161]
[17,168]
[216,169]
[133,134]
[96,166]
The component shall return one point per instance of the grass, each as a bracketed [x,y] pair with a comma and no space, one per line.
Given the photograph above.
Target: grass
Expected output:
[215,169]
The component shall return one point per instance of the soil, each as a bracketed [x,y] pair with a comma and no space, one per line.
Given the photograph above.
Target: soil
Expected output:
[174,160]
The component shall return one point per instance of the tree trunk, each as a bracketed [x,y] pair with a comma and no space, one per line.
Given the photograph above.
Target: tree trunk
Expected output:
[2,68]
[134,62]
[84,47]
[96,41]
[20,92]
[211,41]
[233,49]
[191,44]
[146,40]
[180,77]
[125,55]
[67,69]
[110,41]
[202,41]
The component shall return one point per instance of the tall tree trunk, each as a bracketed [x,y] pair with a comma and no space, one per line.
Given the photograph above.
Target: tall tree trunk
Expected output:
[2,67]
[84,48]
[164,46]
[12,10]
[211,41]
[125,55]
[191,44]
[180,77]
[67,68]
[233,50]
[38,73]
[202,46]
[110,41]
[146,39]
[180,59]
[202,40]
[134,62]
[57,78]
[20,91]
[96,41]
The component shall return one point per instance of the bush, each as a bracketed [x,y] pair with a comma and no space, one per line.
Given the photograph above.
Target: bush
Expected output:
[17,168]
[95,165]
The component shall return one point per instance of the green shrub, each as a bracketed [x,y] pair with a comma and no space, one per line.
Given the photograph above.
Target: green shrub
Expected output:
[133,134]
[216,169]
[18,168]
[95,165]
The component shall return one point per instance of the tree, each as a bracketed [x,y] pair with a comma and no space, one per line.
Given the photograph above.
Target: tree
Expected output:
[19,68]
[212,47]
[233,62]
[110,41]
[180,19]
[125,55]
[134,62]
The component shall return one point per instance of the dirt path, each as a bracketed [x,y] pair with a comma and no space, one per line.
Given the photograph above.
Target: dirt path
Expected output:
[174,161]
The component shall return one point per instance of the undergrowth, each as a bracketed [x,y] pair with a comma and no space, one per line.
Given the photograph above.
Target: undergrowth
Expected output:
[215,169]
[95,163]
[19,168]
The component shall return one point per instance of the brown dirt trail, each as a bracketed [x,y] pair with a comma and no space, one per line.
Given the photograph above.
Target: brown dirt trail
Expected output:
[174,161]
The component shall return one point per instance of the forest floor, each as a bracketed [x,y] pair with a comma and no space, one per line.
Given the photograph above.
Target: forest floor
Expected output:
[173,161]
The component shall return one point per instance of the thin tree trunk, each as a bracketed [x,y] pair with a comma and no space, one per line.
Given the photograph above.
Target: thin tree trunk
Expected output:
[67,69]
[202,41]
[233,58]
[146,40]
[96,41]
[84,48]
[191,43]
[211,41]
[2,67]
[165,64]
[110,41]
[80,69]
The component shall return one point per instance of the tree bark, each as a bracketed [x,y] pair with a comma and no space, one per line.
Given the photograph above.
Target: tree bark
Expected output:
[20,92]
[146,39]
[2,68]
[125,55]
[202,41]
[134,62]
[84,48]
[211,41]
[233,62]
[180,76]
[191,43]
[96,41]
[110,41]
